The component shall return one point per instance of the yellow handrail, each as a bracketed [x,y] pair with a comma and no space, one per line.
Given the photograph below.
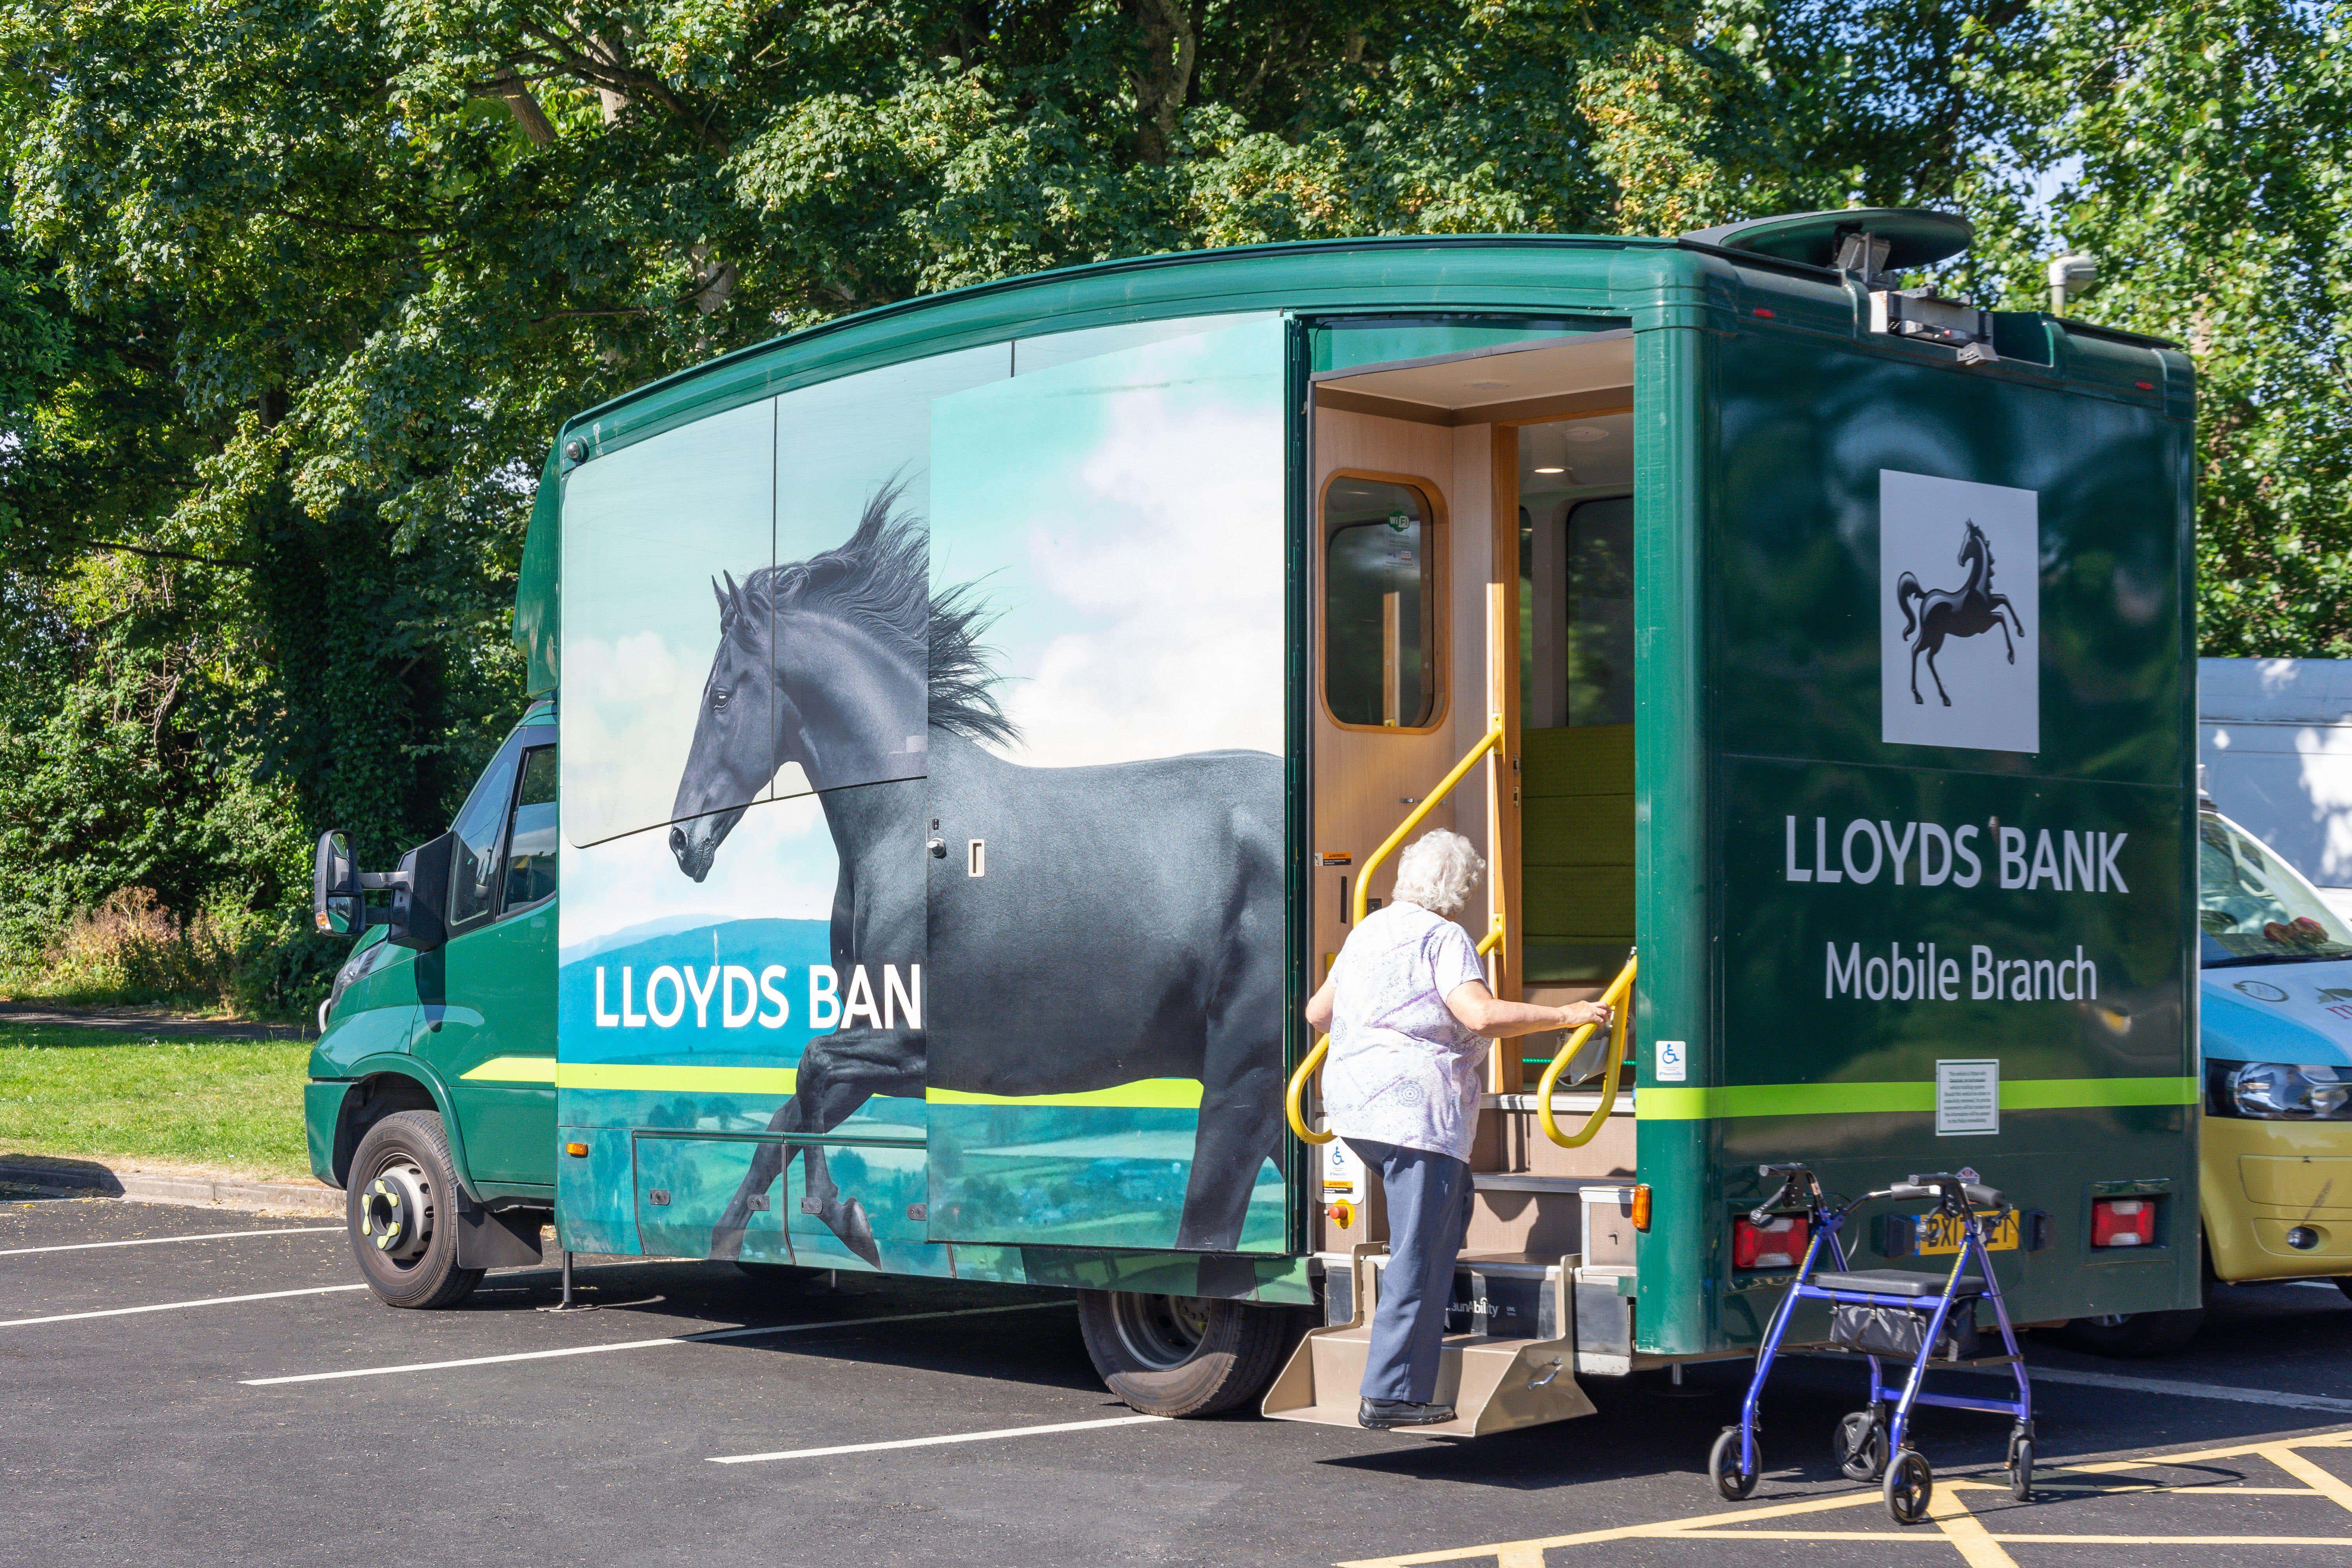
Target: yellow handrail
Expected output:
[1619,996]
[1488,742]
[1293,1098]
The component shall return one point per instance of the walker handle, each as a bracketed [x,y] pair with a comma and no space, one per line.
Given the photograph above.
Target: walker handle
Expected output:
[1956,1190]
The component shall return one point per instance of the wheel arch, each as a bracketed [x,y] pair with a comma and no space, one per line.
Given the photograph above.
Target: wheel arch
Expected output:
[381,1086]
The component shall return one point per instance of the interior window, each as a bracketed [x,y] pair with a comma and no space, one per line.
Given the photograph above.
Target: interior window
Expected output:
[1600,686]
[474,868]
[531,849]
[1379,603]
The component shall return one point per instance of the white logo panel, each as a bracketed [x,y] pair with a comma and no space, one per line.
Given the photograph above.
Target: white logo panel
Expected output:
[1959,625]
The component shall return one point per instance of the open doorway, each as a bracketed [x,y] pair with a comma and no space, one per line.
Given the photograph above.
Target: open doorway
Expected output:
[1474,559]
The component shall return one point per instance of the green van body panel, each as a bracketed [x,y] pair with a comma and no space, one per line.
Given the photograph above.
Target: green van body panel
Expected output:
[482,1004]
[1765,413]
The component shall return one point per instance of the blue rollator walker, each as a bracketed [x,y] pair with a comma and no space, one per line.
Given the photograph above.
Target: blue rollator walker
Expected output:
[1888,1314]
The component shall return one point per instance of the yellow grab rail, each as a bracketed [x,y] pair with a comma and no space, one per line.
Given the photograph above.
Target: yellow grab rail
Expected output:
[1293,1098]
[1619,996]
[1488,742]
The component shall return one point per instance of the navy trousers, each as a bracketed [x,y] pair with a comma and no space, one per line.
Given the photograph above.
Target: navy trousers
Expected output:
[1429,1198]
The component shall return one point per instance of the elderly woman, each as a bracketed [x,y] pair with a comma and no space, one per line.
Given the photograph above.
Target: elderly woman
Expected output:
[1410,1017]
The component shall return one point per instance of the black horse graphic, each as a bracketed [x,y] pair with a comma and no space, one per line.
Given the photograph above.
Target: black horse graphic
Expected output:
[1129,925]
[1970,610]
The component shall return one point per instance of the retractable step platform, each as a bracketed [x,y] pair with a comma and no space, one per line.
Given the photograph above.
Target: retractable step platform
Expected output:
[1496,1383]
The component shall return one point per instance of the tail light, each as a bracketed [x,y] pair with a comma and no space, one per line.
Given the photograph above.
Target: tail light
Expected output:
[1642,1207]
[1779,1243]
[2123,1221]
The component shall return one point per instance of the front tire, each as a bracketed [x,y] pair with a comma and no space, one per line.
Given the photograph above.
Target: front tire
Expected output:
[1909,1487]
[2135,1335]
[1182,1355]
[1732,1484]
[401,1213]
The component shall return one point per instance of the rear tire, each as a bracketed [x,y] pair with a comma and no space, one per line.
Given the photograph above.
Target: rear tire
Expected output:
[2134,1335]
[1861,1446]
[409,1259]
[1182,1355]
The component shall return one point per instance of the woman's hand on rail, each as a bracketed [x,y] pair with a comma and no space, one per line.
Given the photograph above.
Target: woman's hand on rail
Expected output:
[1576,1015]
[1481,1012]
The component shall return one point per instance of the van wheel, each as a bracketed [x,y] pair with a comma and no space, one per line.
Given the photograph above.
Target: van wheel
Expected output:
[400,1209]
[2134,1335]
[1182,1355]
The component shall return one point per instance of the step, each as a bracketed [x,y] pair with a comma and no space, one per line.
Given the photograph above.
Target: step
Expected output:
[1552,1215]
[1514,1295]
[1496,1385]
[1511,1138]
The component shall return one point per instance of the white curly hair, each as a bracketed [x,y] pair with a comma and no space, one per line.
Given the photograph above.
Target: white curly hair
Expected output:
[1437,872]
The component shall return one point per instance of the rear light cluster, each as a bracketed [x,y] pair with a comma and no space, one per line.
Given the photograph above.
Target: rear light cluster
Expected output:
[2123,1221]
[1779,1243]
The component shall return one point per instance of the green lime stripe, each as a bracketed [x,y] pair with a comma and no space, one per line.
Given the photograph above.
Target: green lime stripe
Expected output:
[1665,1102]
[660,1078]
[2075,1093]
[514,1069]
[1145,1094]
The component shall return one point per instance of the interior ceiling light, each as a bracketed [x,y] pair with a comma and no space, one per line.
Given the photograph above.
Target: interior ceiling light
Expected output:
[1551,471]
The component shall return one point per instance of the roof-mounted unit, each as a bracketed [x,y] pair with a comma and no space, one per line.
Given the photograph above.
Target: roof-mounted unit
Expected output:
[1869,245]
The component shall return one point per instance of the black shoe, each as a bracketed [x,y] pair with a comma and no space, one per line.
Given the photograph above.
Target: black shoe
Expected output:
[1380,1415]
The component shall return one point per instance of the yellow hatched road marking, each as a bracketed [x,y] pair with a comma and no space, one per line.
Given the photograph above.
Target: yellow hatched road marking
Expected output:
[1957,1528]
[1965,1530]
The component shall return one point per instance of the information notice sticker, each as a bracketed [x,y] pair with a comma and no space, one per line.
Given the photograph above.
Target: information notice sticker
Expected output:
[1967,1098]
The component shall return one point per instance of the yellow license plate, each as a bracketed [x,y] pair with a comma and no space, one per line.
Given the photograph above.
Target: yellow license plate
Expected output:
[1941,1233]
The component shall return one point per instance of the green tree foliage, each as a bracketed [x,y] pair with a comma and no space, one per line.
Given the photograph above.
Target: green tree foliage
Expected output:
[293,292]
[2206,147]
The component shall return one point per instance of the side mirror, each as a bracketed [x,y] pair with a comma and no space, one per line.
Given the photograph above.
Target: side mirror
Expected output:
[337,904]
[420,895]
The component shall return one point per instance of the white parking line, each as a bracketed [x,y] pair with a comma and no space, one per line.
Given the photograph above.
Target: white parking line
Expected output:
[176,1306]
[934,1442]
[2183,1390]
[157,1240]
[643,1344]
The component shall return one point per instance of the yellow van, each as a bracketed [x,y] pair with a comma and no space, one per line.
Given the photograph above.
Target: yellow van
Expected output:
[2275,1161]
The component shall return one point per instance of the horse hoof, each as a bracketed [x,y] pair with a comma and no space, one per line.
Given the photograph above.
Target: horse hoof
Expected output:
[849,1223]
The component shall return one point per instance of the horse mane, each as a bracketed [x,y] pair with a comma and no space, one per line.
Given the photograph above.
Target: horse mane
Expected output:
[964,668]
[880,577]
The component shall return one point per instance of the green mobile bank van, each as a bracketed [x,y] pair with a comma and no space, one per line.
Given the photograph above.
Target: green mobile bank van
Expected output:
[964,732]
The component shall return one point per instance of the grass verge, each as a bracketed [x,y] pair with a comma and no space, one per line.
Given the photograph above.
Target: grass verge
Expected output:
[236,1105]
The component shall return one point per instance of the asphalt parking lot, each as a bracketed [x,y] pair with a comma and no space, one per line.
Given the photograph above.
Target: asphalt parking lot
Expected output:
[180,1392]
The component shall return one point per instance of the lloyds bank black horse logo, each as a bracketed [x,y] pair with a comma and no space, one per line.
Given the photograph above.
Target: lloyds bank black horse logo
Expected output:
[1970,610]
[1130,922]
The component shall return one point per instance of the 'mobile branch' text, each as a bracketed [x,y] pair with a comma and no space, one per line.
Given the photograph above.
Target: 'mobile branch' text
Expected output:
[1920,975]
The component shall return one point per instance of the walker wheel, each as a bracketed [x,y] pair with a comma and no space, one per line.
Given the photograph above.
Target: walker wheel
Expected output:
[1723,1467]
[1908,1486]
[1861,1446]
[2020,1469]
